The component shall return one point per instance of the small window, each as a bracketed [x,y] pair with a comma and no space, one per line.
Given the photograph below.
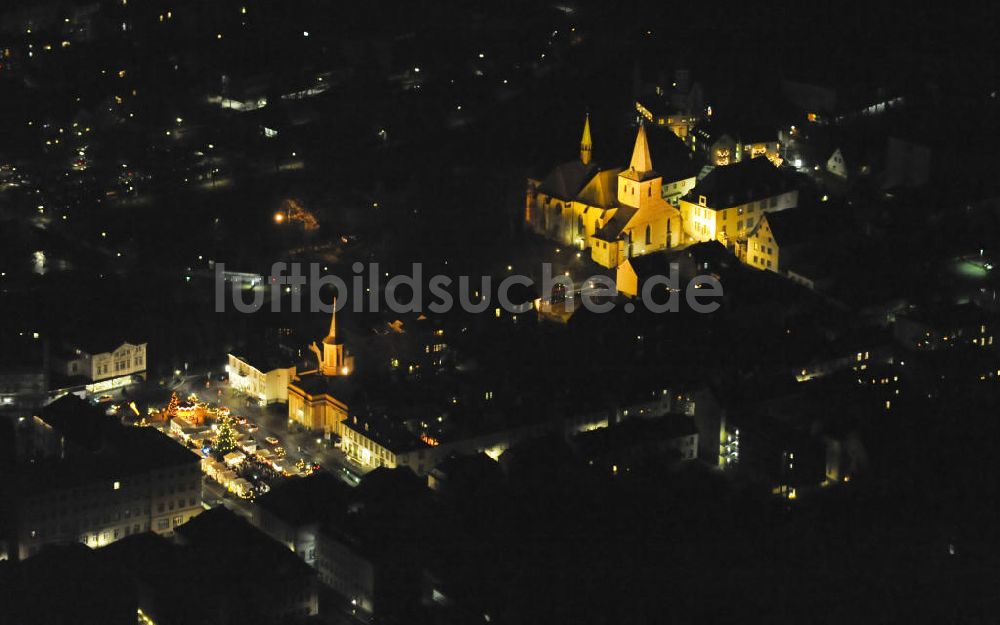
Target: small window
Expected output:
[703,200]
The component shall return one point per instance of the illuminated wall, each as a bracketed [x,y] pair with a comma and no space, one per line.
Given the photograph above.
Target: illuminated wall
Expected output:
[703,222]
[127,359]
[268,387]
[675,190]
[761,249]
[319,413]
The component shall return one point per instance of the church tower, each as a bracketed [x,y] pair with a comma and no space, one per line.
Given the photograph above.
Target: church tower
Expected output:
[586,144]
[641,160]
[639,184]
[333,359]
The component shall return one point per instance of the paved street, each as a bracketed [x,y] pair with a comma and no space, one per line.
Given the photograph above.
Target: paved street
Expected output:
[273,422]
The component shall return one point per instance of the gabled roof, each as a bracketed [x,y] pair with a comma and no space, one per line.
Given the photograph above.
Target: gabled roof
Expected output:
[318,498]
[739,131]
[746,181]
[94,346]
[613,229]
[386,432]
[676,161]
[264,359]
[798,225]
[567,180]
[601,191]
[647,265]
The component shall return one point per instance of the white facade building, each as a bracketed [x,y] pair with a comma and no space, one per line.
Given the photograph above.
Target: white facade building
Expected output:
[106,370]
[263,379]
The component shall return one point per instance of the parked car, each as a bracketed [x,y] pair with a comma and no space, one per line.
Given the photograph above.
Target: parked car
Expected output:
[272,440]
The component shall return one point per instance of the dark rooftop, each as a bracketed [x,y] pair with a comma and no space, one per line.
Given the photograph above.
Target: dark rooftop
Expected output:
[567,180]
[634,432]
[746,181]
[801,225]
[239,550]
[265,359]
[318,498]
[386,432]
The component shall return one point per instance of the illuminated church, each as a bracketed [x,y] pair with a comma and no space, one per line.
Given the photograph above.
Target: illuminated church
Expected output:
[617,213]
[317,399]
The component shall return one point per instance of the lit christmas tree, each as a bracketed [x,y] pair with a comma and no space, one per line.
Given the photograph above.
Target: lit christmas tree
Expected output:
[225,437]
[171,410]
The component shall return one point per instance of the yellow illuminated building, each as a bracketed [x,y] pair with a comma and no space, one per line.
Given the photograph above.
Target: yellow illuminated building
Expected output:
[574,199]
[316,398]
[762,249]
[615,212]
[678,123]
[729,202]
[333,358]
[644,222]
[312,404]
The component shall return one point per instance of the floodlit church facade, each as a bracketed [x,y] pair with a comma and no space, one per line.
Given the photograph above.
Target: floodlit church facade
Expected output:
[617,213]
[316,398]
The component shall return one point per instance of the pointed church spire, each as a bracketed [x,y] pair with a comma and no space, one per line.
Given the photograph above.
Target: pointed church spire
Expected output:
[641,160]
[331,337]
[585,142]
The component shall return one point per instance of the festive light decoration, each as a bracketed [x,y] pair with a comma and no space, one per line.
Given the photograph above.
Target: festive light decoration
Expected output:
[225,437]
[172,406]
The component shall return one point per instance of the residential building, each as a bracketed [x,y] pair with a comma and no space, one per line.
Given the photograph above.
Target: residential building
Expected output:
[728,202]
[104,366]
[723,147]
[248,576]
[92,480]
[946,327]
[638,441]
[303,515]
[679,123]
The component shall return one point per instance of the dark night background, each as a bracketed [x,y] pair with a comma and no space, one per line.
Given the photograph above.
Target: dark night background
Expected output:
[913,540]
